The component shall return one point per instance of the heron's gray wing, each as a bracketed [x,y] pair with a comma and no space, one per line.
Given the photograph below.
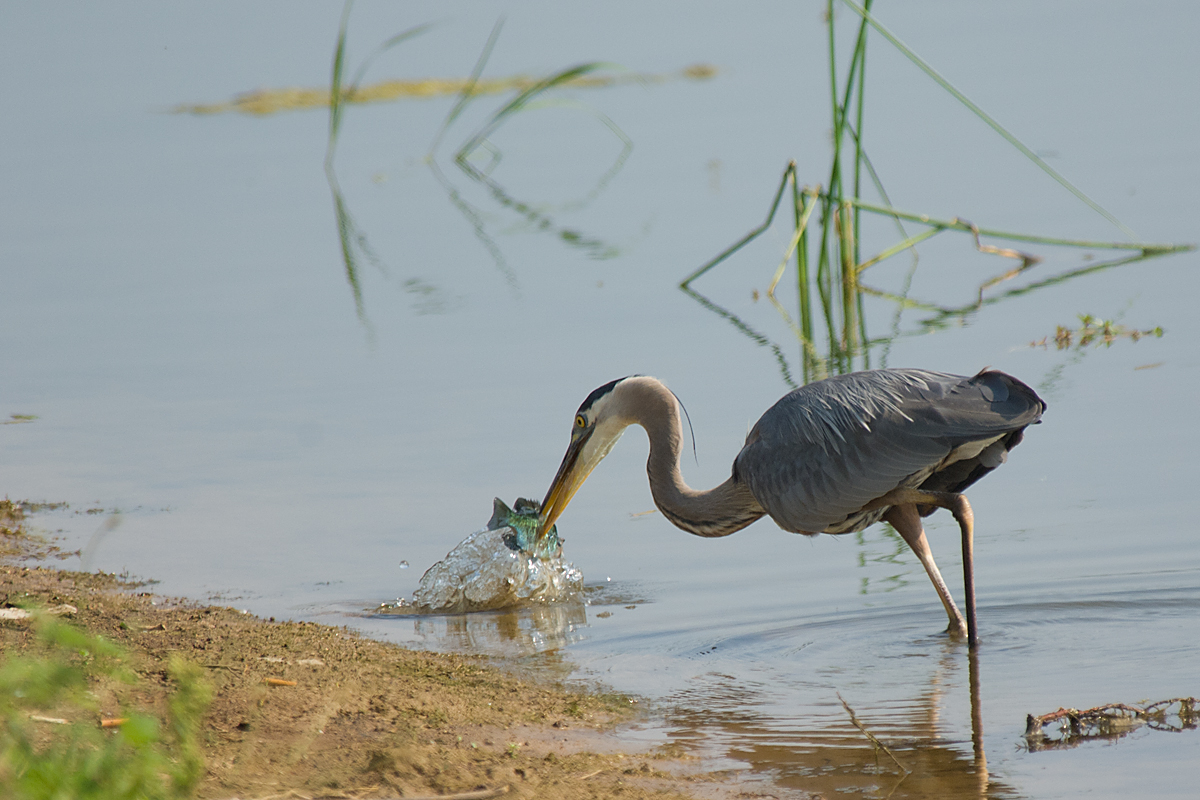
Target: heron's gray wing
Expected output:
[828,449]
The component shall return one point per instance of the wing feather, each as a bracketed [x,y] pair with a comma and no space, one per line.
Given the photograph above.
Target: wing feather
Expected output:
[826,450]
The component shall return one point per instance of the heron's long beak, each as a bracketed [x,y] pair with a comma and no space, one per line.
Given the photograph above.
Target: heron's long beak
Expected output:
[571,474]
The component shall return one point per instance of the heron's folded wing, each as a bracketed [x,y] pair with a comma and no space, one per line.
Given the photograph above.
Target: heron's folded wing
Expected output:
[826,450]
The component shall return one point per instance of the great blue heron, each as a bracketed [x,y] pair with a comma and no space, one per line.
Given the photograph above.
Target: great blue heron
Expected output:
[831,457]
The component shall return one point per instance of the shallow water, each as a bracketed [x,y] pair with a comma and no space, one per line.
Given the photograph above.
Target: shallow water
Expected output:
[176,314]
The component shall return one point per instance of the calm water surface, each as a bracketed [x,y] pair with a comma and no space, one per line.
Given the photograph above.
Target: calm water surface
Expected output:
[175,312]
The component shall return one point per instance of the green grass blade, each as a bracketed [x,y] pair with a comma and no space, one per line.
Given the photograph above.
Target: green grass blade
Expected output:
[335,82]
[789,172]
[860,55]
[1146,247]
[399,38]
[803,203]
[849,279]
[521,101]
[834,184]
[988,120]
[468,92]
[907,243]
[346,236]
[339,91]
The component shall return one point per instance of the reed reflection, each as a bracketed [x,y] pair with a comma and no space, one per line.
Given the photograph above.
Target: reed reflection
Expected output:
[830,323]
[478,156]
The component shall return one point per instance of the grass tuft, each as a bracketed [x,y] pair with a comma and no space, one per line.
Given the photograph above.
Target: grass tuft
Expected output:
[54,744]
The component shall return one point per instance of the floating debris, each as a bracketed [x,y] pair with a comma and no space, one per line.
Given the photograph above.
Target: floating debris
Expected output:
[1093,331]
[1108,722]
[262,102]
[502,565]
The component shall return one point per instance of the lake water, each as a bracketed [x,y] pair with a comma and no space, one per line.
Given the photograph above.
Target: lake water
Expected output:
[176,314]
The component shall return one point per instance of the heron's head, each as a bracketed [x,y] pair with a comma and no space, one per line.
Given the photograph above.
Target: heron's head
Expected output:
[599,422]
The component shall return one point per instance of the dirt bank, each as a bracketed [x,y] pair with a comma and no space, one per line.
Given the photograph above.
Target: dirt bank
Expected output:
[307,710]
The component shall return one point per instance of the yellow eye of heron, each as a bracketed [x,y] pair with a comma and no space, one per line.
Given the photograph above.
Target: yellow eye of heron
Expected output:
[580,422]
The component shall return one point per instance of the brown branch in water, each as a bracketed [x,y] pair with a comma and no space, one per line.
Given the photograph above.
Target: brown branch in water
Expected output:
[1027,259]
[1111,721]
[869,735]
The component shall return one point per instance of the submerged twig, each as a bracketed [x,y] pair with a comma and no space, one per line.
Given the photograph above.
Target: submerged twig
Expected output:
[1027,259]
[1111,721]
[869,735]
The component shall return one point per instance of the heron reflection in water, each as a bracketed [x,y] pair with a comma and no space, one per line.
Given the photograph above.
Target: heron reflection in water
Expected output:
[831,457]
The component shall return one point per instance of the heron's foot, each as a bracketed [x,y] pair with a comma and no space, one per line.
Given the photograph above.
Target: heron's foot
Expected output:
[957,629]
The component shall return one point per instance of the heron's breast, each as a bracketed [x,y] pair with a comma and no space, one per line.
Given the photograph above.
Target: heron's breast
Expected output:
[856,521]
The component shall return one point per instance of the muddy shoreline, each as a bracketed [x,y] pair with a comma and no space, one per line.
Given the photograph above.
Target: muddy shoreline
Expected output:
[307,710]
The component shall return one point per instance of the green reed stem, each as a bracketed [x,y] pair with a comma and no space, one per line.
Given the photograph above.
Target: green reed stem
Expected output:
[803,210]
[849,280]
[859,155]
[468,90]
[335,84]
[521,101]
[987,119]
[957,224]
[790,172]
[908,243]
[804,204]
[824,282]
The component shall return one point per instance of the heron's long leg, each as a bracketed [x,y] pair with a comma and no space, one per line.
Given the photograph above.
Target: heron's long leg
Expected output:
[961,509]
[966,523]
[907,522]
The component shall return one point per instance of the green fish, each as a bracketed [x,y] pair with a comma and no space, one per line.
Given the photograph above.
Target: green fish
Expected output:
[522,518]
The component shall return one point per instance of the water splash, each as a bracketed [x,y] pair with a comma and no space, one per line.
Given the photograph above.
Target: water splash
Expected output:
[500,566]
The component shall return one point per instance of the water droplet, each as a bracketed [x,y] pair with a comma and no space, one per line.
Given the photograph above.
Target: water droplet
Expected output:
[403,565]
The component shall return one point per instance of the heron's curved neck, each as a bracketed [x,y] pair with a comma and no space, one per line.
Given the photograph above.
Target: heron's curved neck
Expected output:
[720,511]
